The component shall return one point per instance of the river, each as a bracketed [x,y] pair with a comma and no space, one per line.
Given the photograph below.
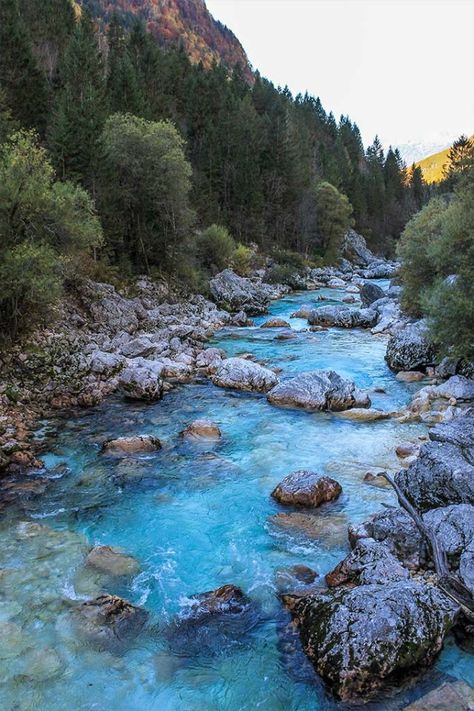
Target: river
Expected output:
[195,517]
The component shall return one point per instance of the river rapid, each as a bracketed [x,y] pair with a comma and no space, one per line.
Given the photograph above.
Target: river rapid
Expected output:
[195,517]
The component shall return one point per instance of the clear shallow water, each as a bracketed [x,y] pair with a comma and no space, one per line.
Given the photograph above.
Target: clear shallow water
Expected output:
[195,517]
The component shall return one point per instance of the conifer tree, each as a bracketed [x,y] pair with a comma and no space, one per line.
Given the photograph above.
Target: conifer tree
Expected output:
[80,108]
[22,80]
[124,91]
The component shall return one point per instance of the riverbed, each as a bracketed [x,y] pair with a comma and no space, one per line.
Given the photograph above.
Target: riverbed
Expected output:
[194,516]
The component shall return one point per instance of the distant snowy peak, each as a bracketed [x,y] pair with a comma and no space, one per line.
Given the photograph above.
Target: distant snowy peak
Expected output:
[414,152]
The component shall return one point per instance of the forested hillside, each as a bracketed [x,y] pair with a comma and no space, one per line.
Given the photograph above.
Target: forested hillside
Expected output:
[177,22]
[149,149]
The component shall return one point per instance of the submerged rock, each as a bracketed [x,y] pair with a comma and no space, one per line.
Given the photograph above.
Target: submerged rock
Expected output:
[110,622]
[242,374]
[318,390]
[342,316]
[450,696]
[112,561]
[202,430]
[312,526]
[305,488]
[132,445]
[359,638]
[409,348]
[361,414]
[296,577]
[275,323]
[212,620]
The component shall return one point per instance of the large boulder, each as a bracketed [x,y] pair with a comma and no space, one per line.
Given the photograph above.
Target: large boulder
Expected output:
[109,311]
[318,390]
[370,562]
[354,249]
[109,622]
[359,638]
[459,432]
[453,527]
[141,380]
[370,292]
[305,488]
[396,529]
[240,293]
[409,348]
[442,474]
[242,374]
[457,387]
[342,316]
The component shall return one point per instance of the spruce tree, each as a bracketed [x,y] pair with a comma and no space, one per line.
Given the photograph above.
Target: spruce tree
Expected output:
[22,80]
[80,108]
[124,92]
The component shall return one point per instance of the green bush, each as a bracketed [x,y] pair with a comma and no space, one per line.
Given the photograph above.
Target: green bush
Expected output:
[215,248]
[437,249]
[242,259]
[417,250]
[47,230]
[287,258]
[30,283]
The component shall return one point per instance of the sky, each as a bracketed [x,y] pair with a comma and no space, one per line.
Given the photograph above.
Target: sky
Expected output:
[402,69]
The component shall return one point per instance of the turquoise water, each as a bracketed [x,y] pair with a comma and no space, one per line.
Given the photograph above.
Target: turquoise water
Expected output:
[195,517]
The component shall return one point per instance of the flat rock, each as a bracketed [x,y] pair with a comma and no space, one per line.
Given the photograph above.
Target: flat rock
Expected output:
[361,414]
[305,488]
[241,374]
[318,390]
[132,445]
[202,430]
[359,638]
[410,376]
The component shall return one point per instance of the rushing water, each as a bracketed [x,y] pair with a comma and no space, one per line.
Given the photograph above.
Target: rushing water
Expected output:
[195,517]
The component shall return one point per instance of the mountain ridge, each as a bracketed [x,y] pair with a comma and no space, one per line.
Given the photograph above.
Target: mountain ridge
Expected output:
[179,22]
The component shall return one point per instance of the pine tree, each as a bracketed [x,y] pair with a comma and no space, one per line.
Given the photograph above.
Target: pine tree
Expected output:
[22,80]
[80,108]
[124,91]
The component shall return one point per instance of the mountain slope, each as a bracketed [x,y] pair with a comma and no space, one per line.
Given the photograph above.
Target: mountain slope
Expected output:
[186,22]
[432,166]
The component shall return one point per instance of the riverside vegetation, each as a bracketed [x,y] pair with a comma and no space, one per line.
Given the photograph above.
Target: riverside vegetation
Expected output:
[121,199]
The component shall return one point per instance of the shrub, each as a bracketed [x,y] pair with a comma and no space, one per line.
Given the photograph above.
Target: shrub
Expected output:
[215,248]
[242,259]
[30,282]
[417,249]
